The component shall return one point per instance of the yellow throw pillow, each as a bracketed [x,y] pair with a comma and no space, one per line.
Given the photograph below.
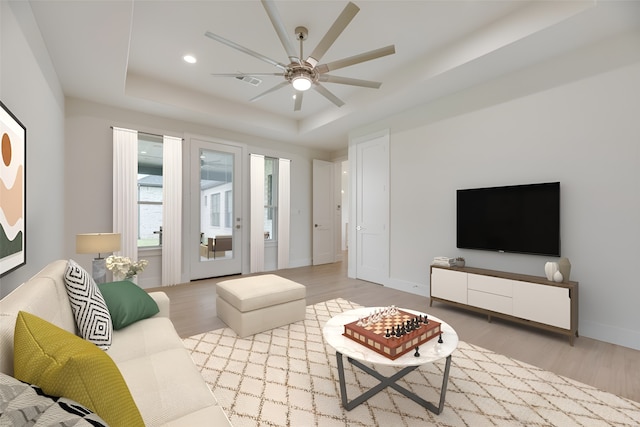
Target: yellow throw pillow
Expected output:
[65,365]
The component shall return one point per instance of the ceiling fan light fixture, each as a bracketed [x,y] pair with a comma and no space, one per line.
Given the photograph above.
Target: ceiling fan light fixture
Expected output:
[301,82]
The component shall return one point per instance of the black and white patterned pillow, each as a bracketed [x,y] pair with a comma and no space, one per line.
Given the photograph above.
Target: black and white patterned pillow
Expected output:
[23,404]
[89,308]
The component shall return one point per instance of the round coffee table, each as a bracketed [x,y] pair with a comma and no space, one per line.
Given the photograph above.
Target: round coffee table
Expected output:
[356,353]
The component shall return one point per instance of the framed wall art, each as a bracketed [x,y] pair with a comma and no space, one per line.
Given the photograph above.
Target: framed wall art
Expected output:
[13,192]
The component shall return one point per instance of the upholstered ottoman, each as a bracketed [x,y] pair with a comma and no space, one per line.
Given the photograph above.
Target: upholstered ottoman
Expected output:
[258,303]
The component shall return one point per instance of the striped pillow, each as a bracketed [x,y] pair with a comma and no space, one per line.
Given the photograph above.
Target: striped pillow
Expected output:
[89,308]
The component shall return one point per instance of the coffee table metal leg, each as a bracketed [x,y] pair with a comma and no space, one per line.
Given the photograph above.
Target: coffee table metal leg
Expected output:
[343,387]
[389,382]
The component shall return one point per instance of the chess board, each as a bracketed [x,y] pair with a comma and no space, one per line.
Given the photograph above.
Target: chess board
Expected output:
[373,336]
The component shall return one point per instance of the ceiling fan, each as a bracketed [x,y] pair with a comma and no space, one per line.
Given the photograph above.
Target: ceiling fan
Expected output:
[304,74]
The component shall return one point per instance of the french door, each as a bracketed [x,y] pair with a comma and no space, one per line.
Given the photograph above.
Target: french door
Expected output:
[215,241]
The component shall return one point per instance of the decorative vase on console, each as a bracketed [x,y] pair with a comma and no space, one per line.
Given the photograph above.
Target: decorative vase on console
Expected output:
[565,268]
[550,268]
[117,276]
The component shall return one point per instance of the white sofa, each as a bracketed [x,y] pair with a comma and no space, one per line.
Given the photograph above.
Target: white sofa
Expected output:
[164,382]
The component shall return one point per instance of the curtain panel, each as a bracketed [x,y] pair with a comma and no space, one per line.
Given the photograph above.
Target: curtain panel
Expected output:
[256,258]
[172,210]
[125,197]
[284,212]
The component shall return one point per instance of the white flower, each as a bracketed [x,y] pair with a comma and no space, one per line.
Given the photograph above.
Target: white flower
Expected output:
[124,267]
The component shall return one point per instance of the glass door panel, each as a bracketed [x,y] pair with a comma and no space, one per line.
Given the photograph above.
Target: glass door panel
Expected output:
[216,204]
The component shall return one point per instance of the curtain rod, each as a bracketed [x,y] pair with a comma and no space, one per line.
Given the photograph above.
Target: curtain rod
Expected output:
[149,133]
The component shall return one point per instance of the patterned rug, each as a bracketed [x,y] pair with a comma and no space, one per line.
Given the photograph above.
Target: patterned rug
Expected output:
[288,377]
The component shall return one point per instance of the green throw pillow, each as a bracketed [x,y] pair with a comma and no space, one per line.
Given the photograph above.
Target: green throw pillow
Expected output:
[127,303]
[63,364]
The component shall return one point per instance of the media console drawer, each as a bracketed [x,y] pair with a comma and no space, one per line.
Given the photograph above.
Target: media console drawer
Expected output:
[530,300]
[492,285]
[497,303]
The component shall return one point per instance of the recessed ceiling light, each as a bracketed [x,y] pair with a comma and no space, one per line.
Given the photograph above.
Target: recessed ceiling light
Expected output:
[190,59]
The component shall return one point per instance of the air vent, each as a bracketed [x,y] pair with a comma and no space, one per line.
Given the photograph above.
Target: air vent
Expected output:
[250,80]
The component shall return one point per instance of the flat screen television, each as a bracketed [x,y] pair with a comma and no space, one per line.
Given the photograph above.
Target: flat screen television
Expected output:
[518,218]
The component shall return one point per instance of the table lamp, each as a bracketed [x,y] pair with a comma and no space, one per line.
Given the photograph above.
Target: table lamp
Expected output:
[99,243]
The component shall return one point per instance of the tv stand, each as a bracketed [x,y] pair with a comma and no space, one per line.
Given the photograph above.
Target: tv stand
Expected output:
[529,300]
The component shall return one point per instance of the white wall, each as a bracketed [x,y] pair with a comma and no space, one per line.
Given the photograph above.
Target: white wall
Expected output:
[89,150]
[585,134]
[30,89]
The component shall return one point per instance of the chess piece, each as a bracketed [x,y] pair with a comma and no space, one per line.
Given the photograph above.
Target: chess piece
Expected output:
[440,339]
[398,334]
[417,353]
[388,334]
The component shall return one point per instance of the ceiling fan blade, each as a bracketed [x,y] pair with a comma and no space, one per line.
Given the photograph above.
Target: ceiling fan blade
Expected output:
[273,89]
[245,74]
[356,59]
[349,81]
[245,50]
[298,104]
[276,21]
[330,96]
[348,13]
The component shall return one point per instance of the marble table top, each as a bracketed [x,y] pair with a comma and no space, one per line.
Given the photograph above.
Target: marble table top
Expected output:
[429,351]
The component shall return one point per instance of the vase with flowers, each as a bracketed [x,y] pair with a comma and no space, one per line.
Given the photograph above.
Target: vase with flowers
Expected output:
[125,269]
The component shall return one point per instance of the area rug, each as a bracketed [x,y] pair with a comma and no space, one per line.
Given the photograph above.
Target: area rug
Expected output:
[288,377]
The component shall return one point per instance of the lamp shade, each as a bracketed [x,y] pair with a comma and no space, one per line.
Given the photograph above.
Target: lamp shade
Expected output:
[91,243]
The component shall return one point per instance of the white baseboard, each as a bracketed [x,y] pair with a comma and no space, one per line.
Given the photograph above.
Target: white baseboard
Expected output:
[406,286]
[299,263]
[608,333]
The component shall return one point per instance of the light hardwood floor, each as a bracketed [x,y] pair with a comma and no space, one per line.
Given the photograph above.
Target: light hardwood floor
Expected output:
[606,366]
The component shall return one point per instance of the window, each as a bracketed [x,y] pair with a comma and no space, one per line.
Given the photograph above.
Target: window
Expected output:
[270,197]
[215,210]
[149,190]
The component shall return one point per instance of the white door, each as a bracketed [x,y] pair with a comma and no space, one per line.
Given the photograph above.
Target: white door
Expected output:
[215,241]
[323,213]
[372,209]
